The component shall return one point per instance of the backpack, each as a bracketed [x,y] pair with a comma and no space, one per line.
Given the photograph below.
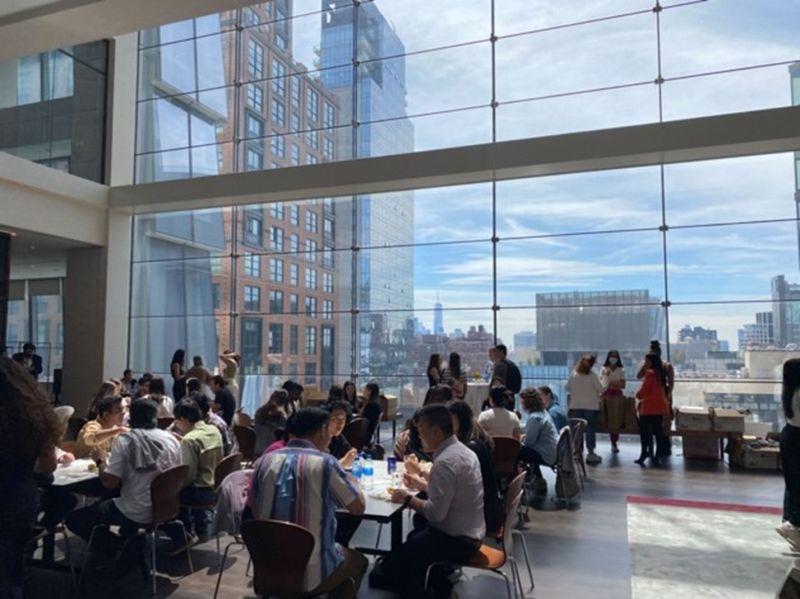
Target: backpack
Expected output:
[513,377]
[567,484]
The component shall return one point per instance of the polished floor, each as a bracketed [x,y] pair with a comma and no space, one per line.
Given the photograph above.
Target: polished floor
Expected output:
[581,551]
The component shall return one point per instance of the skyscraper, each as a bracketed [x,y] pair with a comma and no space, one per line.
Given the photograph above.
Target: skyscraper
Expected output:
[385,275]
[438,318]
[785,311]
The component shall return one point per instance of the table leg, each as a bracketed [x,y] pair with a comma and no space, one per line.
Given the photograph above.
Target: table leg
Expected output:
[397,530]
[394,430]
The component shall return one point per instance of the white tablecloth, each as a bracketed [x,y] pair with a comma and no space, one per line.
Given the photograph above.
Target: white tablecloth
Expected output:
[77,471]
[476,395]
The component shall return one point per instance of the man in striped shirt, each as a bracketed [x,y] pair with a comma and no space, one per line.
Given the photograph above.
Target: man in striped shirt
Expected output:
[305,485]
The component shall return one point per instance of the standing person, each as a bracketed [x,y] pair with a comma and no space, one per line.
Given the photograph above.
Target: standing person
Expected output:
[664,442]
[455,377]
[295,391]
[790,453]
[434,370]
[371,410]
[29,432]
[452,525]
[270,420]
[137,458]
[224,399]
[230,368]
[506,371]
[158,394]
[30,360]
[176,368]
[612,378]
[498,420]
[304,484]
[199,371]
[583,399]
[488,368]
[653,407]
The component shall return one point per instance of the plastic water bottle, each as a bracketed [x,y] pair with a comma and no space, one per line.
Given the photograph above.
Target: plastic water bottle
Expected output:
[368,471]
[357,468]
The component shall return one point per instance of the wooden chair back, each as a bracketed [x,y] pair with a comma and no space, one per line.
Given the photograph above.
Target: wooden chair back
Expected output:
[246,438]
[226,466]
[505,456]
[280,552]
[165,491]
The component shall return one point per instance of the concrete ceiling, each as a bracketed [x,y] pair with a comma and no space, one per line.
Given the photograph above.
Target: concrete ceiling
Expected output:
[33,26]
[31,243]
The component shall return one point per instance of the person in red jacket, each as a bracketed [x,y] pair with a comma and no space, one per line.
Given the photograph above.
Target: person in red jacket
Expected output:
[653,407]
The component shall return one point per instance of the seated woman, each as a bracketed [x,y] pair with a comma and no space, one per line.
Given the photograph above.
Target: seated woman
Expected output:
[270,419]
[557,411]
[371,410]
[498,420]
[471,434]
[541,436]
[95,438]
[408,442]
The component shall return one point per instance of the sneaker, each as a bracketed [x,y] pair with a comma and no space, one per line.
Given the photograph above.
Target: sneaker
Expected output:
[614,448]
[182,548]
[790,533]
[593,458]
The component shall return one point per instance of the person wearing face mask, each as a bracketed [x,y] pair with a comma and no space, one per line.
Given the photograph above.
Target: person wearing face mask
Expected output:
[612,378]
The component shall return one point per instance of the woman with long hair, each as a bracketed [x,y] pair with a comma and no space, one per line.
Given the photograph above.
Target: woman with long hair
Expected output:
[434,370]
[472,434]
[652,408]
[455,377]
[790,453]
[158,394]
[613,379]
[107,389]
[350,396]
[29,432]
[270,420]
[371,410]
[583,400]
[177,369]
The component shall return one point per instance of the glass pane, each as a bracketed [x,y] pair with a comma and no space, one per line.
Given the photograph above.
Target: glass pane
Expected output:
[153,341]
[590,56]
[392,27]
[594,201]
[514,16]
[735,189]
[741,33]
[180,164]
[739,262]
[177,235]
[621,107]
[608,268]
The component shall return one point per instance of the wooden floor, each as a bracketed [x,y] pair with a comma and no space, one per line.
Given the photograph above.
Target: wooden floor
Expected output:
[576,552]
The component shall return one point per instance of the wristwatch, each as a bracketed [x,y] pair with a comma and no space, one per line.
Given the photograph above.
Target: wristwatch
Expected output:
[407,500]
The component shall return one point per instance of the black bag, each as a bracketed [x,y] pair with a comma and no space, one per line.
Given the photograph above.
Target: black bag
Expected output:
[513,377]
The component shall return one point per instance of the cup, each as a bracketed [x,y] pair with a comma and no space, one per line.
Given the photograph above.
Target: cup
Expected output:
[391,465]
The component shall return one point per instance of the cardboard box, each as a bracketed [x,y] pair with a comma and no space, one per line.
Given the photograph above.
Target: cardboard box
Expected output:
[730,421]
[701,448]
[761,458]
[692,418]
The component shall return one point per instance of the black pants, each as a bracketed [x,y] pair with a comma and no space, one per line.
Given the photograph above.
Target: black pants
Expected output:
[790,462]
[649,431]
[531,457]
[56,503]
[346,527]
[193,520]
[82,521]
[424,546]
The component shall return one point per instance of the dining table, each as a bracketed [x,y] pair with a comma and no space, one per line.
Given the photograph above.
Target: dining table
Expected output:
[379,507]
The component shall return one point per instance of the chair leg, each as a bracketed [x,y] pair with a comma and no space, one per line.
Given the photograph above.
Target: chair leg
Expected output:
[380,530]
[508,584]
[88,552]
[222,564]
[153,558]
[247,569]
[516,579]
[188,549]
[525,552]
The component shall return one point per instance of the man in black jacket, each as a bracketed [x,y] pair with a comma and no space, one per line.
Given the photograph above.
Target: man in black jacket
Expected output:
[29,360]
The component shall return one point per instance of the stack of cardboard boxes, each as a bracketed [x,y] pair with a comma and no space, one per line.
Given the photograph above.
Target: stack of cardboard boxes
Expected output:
[699,420]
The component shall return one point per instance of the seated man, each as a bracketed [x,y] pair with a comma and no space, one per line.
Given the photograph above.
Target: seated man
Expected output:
[453,526]
[541,436]
[224,400]
[201,450]
[95,438]
[136,458]
[209,417]
[304,484]
[498,420]
[339,447]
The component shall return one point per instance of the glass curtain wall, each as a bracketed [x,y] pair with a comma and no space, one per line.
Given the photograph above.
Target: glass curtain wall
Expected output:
[368,286]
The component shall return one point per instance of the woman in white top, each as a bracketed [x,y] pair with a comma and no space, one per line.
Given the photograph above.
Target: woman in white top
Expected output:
[583,400]
[790,453]
[497,420]
[612,378]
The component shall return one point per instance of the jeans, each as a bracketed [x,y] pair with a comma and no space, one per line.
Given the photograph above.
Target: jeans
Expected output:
[590,416]
[193,520]
[82,521]
[790,462]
